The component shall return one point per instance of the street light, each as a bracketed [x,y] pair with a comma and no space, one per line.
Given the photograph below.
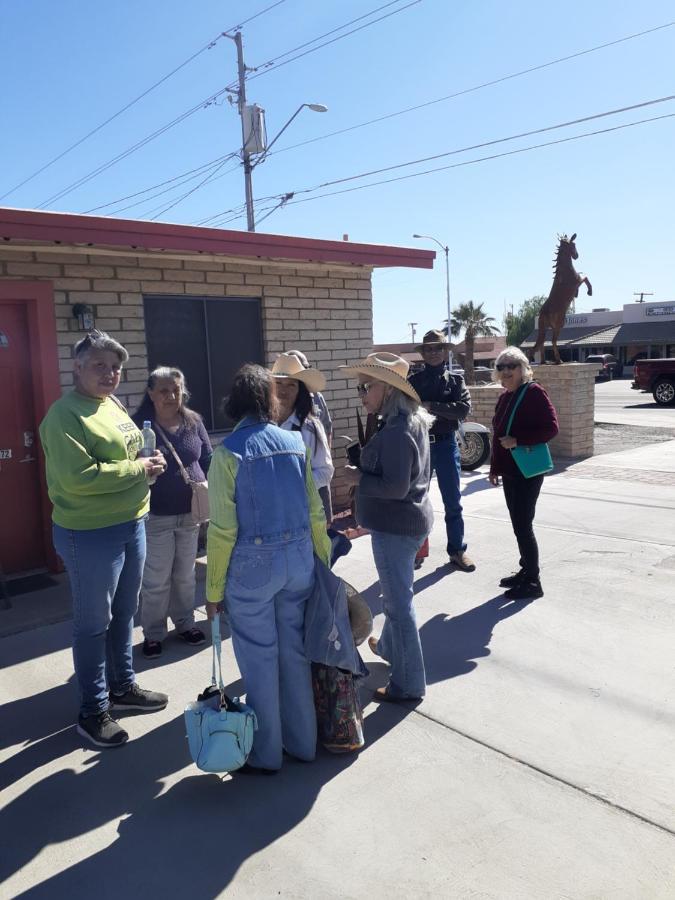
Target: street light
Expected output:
[446,250]
[249,165]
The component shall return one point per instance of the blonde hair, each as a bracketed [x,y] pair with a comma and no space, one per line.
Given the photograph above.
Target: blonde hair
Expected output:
[514,355]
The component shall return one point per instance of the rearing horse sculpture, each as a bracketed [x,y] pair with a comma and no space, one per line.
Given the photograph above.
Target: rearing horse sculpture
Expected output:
[566,283]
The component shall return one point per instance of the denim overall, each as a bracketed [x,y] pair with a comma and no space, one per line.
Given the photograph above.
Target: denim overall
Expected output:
[270,577]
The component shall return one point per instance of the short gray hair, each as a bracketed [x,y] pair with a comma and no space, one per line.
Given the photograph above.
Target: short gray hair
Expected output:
[514,355]
[100,340]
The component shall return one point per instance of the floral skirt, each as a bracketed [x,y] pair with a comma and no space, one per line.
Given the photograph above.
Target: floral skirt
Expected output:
[338,709]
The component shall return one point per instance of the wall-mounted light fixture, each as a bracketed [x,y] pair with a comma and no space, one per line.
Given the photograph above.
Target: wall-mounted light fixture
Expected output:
[85,316]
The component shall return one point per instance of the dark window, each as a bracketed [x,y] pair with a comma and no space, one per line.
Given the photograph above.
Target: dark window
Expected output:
[209,338]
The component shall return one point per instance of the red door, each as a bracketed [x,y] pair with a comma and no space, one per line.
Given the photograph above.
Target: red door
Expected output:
[21,524]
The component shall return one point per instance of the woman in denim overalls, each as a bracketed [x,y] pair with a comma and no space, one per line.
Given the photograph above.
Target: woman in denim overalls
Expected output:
[267,521]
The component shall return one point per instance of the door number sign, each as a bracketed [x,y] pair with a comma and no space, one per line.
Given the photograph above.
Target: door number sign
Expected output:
[5,454]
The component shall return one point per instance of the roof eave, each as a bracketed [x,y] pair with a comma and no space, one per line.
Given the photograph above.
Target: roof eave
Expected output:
[102,231]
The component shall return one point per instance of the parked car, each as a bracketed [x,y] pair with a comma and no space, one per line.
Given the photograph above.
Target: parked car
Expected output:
[482,374]
[609,365]
[656,376]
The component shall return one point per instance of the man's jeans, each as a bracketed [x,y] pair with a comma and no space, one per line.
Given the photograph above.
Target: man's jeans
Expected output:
[445,461]
[399,642]
[267,590]
[169,575]
[105,566]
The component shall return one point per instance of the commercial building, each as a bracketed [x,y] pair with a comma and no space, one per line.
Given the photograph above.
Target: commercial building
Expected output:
[638,331]
[206,300]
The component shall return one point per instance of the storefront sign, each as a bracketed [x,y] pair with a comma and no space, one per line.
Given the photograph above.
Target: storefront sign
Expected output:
[575,320]
[668,310]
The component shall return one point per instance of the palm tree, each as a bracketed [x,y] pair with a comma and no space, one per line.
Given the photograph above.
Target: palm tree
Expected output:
[472,320]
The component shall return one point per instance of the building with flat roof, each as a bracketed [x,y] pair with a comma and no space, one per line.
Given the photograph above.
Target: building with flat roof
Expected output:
[205,300]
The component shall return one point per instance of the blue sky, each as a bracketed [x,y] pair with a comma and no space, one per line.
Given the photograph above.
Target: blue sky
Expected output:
[67,67]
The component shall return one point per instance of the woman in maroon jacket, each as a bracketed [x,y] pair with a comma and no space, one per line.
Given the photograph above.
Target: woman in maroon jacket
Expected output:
[535,422]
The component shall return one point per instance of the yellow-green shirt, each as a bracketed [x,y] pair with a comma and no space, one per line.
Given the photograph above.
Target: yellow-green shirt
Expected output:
[223,528]
[93,476]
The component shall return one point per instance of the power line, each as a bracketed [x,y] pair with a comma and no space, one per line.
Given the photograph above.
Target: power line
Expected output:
[207,102]
[513,137]
[470,162]
[454,152]
[273,65]
[476,87]
[152,187]
[131,103]
[193,189]
[137,146]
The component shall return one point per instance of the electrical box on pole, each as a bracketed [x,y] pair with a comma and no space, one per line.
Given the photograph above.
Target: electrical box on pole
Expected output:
[253,122]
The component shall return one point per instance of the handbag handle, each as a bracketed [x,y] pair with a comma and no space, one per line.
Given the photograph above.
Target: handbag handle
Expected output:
[515,407]
[216,646]
[183,472]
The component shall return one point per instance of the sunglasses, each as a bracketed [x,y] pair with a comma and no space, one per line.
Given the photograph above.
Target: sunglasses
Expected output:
[434,348]
[509,366]
[362,389]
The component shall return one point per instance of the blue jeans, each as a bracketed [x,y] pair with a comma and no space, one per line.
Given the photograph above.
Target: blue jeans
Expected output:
[105,567]
[399,642]
[445,461]
[266,592]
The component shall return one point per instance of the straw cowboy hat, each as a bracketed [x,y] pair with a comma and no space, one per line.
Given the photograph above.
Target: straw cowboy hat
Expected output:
[287,365]
[433,339]
[386,367]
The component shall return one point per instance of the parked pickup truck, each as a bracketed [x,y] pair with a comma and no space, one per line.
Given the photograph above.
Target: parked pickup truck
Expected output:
[656,376]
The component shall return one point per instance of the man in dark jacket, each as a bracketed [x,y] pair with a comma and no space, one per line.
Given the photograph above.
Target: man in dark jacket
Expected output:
[445,396]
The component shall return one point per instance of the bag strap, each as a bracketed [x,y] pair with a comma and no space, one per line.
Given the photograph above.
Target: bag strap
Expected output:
[183,472]
[515,406]
[216,645]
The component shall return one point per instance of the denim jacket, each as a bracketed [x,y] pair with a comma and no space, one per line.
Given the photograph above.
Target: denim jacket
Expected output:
[261,492]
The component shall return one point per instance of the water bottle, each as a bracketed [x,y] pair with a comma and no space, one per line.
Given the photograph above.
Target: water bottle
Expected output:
[149,445]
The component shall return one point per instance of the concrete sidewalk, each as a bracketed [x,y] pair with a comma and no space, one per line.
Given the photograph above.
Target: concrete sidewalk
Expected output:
[539,766]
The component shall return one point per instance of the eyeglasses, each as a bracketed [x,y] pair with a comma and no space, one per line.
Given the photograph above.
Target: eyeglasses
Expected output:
[362,389]
[509,366]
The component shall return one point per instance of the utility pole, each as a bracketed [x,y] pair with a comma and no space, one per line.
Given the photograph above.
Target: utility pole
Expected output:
[246,156]
[642,295]
[411,325]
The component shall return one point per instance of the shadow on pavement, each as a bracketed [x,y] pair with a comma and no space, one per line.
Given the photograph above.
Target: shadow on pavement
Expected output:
[187,841]
[451,646]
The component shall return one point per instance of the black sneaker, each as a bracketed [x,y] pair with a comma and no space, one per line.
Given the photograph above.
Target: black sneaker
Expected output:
[510,581]
[137,698]
[151,649]
[526,590]
[102,730]
[193,636]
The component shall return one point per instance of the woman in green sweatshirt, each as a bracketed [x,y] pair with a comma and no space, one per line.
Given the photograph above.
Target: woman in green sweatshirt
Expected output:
[99,488]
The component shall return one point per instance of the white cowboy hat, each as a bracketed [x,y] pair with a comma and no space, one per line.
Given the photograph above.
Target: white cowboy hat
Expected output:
[287,365]
[386,367]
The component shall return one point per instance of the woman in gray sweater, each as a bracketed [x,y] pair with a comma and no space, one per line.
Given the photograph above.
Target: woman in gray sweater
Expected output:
[392,502]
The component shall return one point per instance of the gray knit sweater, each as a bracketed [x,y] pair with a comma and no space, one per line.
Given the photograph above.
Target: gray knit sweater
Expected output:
[393,494]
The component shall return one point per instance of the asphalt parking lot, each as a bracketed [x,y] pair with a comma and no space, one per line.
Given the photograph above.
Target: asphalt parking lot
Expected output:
[616,403]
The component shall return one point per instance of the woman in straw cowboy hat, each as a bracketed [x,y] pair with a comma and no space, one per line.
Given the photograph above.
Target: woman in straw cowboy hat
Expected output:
[294,386]
[392,502]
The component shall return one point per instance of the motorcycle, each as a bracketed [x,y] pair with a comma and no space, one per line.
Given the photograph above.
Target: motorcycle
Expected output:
[474,445]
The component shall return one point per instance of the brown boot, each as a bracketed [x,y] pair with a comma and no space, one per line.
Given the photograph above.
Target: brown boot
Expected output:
[462,561]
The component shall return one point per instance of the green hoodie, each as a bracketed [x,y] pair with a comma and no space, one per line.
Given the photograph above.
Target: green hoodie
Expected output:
[93,476]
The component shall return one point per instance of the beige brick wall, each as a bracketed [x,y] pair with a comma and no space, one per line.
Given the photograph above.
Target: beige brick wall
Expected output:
[325,311]
[571,388]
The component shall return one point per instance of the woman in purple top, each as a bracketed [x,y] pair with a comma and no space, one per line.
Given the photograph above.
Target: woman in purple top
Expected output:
[535,422]
[169,575]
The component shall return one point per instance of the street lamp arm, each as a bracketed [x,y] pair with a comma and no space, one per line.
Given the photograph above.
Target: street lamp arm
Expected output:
[276,138]
[428,237]
[315,107]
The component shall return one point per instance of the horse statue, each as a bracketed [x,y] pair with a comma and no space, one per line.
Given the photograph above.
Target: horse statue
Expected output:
[566,283]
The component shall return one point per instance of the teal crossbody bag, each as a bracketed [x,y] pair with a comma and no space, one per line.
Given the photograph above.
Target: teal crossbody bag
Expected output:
[533,460]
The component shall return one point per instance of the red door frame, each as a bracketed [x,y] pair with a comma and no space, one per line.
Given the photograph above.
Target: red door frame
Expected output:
[38,299]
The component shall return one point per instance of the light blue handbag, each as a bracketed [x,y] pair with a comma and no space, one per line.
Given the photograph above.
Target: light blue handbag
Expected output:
[219,730]
[532,460]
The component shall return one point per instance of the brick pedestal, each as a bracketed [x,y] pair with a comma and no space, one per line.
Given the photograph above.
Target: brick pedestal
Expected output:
[571,388]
